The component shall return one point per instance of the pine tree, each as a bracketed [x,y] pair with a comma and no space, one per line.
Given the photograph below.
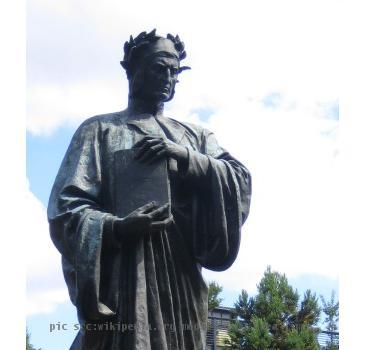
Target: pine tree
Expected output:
[274,319]
[28,345]
[244,310]
[257,337]
[331,310]
[305,339]
[214,289]
[309,312]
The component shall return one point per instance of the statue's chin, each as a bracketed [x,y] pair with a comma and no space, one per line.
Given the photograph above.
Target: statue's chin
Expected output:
[161,97]
[155,98]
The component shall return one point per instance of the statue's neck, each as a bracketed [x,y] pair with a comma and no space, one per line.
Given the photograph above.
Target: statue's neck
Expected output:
[139,106]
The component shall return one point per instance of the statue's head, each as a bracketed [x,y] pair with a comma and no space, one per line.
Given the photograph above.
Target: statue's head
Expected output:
[152,64]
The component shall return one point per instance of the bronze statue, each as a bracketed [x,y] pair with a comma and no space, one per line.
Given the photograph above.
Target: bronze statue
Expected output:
[136,280]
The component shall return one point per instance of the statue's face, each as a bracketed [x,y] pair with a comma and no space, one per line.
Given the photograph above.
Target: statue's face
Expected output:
[156,79]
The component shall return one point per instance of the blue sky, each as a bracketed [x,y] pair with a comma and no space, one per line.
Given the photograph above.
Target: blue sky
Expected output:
[44,156]
[274,106]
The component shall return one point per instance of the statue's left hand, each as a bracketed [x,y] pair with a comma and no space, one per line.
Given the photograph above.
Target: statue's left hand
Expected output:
[152,149]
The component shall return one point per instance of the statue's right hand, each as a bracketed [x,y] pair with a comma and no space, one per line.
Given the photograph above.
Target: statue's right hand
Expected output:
[147,218]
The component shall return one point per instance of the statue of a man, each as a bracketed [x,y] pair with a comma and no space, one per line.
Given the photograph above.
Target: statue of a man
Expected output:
[136,280]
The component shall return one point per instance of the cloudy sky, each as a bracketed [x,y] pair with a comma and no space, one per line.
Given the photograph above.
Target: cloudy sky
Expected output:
[264,80]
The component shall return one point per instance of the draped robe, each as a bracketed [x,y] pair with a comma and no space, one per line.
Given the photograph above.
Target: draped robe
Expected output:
[147,293]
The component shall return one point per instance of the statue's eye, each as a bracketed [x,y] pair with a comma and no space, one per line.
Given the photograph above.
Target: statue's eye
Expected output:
[158,68]
[173,71]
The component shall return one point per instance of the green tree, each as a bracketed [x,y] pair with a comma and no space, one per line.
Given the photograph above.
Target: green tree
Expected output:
[244,308]
[214,289]
[28,345]
[331,310]
[257,337]
[274,318]
[276,303]
[305,339]
[309,312]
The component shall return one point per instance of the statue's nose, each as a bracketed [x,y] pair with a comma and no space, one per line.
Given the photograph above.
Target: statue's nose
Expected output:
[166,74]
[165,77]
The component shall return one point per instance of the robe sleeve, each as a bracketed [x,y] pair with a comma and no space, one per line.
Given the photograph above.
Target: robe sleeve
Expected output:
[221,202]
[79,228]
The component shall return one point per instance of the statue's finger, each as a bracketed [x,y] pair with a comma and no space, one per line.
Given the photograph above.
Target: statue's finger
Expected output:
[146,147]
[158,155]
[162,224]
[159,211]
[150,153]
[142,152]
[141,142]
[154,155]
[147,207]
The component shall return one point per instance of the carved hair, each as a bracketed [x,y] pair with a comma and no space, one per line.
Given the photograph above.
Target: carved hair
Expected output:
[135,46]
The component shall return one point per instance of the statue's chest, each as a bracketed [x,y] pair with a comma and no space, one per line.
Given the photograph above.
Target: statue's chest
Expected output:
[126,136]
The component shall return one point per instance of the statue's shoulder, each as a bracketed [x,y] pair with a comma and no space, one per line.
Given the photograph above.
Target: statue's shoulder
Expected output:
[194,129]
[105,119]
[100,122]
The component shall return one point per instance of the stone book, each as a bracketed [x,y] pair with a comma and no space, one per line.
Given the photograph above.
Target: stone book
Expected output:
[137,183]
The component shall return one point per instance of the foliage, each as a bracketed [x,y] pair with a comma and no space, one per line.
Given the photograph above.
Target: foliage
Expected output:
[305,339]
[28,345]
[331,310]
[244,308]
[237,335]
[274,318]
[258,337]
[310,312]
[214,289]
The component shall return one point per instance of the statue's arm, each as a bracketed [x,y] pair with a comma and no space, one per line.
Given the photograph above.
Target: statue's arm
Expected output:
[199,164]
[79,226]
[76,192]
[222,190]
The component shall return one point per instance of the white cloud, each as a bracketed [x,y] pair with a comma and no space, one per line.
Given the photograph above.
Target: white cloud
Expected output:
[245,50]
[293,224]
[46,302]
[51,106]
[45,285]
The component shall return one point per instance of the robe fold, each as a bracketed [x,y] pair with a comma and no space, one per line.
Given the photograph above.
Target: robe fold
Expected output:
[147,293]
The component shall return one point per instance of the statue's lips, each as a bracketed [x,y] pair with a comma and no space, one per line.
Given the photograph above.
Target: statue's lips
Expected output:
[163,88]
